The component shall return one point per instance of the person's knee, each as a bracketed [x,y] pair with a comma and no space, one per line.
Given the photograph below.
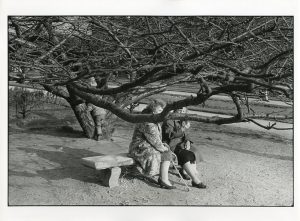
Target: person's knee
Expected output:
[166,156]
[199,157]
[189,157]
[186,164]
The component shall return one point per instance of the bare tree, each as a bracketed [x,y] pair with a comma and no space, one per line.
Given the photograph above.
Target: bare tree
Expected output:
[142,56]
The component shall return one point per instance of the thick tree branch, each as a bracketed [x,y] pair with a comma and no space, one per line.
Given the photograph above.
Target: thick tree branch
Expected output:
[124,87]
[210,120]
[155,118]
[56,91]
[268,127]
[144,95]
[273,59]
[244,73]
[267,116]
[241,87]
[137,118]
[269,86]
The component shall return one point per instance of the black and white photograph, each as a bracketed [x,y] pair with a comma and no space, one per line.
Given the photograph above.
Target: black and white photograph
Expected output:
[140,110]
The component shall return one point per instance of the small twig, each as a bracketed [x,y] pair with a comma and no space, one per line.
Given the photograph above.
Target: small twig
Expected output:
[53,49]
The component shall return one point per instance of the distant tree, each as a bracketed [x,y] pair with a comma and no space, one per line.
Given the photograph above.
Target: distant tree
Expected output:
[142,56]
[25,101]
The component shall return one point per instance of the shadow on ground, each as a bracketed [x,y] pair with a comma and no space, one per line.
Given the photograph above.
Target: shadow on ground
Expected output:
[70,163]
[56,132]
[132,172]
[71,166]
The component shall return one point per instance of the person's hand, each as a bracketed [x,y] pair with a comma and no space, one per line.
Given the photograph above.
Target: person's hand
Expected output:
[166,147]
[188,145]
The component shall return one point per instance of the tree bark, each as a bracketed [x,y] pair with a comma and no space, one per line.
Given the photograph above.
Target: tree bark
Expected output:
[83,116]
[85,119]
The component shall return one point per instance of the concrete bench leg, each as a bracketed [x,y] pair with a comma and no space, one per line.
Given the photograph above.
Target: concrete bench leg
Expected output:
[112,176]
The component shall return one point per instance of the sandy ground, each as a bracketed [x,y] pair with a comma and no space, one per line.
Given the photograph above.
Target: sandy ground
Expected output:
[241,168]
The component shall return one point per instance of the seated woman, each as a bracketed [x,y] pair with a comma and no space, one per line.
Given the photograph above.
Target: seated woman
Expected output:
[175,134]
[148,149]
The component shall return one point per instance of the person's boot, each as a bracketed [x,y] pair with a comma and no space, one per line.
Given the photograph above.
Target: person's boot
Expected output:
[199,185]
[164,185]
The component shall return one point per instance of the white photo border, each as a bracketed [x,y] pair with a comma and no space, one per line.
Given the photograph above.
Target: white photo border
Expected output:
[140,7]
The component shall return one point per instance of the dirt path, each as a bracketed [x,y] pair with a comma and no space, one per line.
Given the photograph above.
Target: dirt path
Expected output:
[241,167]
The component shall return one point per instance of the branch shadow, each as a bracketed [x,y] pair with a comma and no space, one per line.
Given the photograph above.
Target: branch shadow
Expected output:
[132,172]
[20,173]
[70,164]
[70,161]
[56,132]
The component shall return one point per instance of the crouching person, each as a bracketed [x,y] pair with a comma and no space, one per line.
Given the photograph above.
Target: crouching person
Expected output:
[98,115]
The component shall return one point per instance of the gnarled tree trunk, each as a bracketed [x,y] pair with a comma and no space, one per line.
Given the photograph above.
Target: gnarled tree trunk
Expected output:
[83,116]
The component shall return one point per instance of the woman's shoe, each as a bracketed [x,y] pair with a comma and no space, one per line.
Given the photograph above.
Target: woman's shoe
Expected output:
[184,176]
[164,185]
[199,185]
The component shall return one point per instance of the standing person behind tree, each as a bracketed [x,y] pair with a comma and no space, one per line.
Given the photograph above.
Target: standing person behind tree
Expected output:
[148,149]
[175,133]
[98,115]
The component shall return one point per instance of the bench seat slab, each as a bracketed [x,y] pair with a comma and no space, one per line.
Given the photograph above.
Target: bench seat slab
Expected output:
[107,161]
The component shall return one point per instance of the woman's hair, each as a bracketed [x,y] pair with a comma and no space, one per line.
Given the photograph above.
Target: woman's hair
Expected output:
[151,107]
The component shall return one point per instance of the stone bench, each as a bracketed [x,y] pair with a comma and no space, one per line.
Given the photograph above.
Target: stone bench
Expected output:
[111,164]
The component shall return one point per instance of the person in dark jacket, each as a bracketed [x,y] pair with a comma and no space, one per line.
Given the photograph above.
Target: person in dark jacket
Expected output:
[175,134]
